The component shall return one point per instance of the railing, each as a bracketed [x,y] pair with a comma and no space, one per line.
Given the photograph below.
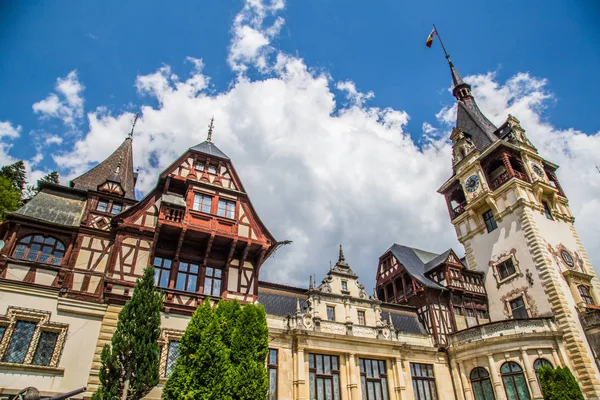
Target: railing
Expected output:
[172,214]
[472,287]
[503,328]
[459,209]
[505,176]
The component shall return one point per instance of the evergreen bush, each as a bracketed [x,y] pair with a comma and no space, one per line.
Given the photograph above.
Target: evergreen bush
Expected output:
[559,384]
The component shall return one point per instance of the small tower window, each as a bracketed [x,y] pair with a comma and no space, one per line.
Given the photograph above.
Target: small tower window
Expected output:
[344,286]
[226,209]
[330,313]
[586,296]
[202,203]
[490,221]
[116,208]
[199,167]
[361,318]
[102,206]
[212,169]
[547,211]
[518,308]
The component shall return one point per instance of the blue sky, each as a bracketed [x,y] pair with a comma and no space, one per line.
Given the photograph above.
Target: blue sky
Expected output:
[377,46]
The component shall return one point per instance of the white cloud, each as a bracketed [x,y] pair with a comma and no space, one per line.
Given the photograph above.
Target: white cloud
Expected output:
[7,132]
[250,45]
[321,171]
[66,104]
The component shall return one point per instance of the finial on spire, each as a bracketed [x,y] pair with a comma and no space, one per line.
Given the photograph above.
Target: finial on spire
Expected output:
[135,118]
[210,129]
[341,258]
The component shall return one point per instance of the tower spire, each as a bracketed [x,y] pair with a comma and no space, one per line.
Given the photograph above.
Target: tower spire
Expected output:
[210,129]
[341,259]
[135,118]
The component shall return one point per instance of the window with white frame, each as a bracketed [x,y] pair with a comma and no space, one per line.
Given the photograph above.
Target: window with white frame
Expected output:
[202,203]
[27,337]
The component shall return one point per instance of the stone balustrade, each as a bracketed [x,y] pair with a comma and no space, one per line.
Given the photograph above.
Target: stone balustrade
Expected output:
[503,328]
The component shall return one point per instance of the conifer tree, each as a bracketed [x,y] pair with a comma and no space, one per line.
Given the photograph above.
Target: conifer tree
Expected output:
[15,173]
[202,370]
[10,197]
[130,366]
[559,384]
[52,177]
[249,347]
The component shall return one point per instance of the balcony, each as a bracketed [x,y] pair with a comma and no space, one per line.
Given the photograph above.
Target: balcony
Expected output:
[505,176]
[474,288]
[458,210]
[508,328]
[172,214]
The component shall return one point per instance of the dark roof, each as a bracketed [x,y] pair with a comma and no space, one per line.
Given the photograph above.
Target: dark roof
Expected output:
[118,167]
[438,260]
[55,206]
[472,121]
[280,302]
[414,261]
[404,321]
[210,149]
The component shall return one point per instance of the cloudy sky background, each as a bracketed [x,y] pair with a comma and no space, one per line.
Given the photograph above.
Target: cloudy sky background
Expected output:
[324,161]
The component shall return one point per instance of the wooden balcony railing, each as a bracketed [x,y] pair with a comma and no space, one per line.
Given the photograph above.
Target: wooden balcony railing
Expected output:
[172,214]
[505,176]
[459,209]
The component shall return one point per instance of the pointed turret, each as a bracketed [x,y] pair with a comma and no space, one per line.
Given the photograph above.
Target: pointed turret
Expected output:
[115,172]
[469,118]
[208,147]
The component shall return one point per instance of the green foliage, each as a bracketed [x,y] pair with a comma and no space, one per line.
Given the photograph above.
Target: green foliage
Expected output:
[10,197]
[16,174]
[133,359]
[222,355]
[559,384]
[52,177]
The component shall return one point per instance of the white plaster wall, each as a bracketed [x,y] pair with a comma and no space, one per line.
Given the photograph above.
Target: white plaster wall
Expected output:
[78,351]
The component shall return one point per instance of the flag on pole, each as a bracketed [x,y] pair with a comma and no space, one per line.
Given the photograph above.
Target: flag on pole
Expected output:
[430,38]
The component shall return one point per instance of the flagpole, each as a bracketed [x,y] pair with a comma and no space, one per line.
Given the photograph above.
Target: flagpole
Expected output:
[442,43]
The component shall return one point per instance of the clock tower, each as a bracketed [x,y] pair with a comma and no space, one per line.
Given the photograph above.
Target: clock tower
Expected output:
[513,218]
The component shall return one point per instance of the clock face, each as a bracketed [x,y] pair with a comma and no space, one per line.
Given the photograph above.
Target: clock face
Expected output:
[472,183]
[567,258]
[538,171]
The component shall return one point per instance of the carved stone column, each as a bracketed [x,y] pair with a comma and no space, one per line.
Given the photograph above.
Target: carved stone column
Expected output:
[400,385]
[464,381]
[300,388]
[530,374]
[496,379]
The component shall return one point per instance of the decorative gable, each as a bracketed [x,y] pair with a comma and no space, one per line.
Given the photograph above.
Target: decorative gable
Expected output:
[112,188]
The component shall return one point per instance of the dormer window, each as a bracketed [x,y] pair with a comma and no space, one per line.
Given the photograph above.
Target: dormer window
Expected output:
[102,206]
[116,208]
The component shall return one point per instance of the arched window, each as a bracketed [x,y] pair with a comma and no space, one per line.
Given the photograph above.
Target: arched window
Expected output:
[44,249]
[539,363]
[514,381]
[482,386]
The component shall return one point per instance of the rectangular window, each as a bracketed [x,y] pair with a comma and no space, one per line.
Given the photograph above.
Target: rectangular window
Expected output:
[162,270]
[102,206]
[506,269]
[324,377]
[19,342]
[330,313]
[212,169]
[172,354]
[226,209]
[272,372]
[187,277]
[344,286]
[202,203]
[490,221]
[212,282]
[423,381]
[547,211]
[586,296]
[116,208]
[373,379]
[45,348]
[518,308]
[200,167]
[2,331]
[361,318]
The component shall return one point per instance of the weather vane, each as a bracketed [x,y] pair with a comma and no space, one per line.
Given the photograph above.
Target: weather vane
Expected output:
[210,129]
[135,118]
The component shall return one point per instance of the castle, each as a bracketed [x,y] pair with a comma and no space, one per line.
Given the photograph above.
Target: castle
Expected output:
[438,327]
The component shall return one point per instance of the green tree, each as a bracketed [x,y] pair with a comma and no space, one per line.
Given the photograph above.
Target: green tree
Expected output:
[130,365]
[16,173]
[559,384]
[202,370]
[52,177]
[249,347]
[10,197]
